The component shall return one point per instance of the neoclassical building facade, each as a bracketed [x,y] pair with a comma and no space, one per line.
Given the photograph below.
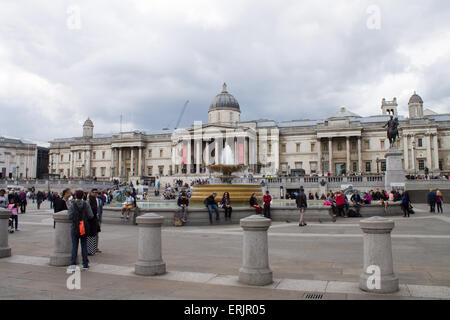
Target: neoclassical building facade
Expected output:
[344,143]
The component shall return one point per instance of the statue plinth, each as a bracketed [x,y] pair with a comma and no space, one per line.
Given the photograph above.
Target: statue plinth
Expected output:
[394,168]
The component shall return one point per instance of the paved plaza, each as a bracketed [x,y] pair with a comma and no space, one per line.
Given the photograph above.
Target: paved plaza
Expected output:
[204,262]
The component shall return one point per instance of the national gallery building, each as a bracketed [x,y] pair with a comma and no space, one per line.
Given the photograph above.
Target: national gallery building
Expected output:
[344,143]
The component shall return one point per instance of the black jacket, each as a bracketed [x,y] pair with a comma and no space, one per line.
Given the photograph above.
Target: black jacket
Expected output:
[80,211]
[93,224]
[183,201]
[60,205]
[301,200]
[210,200]
[253,202]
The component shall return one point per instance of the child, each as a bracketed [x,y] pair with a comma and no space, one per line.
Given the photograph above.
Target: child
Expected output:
[14,214]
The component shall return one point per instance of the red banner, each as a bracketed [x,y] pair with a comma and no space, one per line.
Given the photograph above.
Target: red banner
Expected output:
[241,153]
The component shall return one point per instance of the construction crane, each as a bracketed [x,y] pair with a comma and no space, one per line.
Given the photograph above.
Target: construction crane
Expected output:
[179,118]
[181,114]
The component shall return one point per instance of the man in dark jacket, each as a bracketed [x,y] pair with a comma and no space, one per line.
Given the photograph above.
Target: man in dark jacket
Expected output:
[39,199]
[302,204]
[211,204]
[23,201]
[79,211]
[183,203]
[432,200]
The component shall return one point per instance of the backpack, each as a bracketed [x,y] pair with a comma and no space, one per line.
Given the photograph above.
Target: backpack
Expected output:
[80,225]
[353,214]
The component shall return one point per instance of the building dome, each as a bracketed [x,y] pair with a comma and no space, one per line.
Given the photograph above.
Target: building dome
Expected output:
[415,98]
[224,101]
[88,123]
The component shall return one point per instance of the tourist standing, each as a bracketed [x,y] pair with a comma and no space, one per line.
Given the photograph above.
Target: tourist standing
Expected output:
[267,199]
[406,204]
[340,204]
[211,204]
[432,200]
[23,201]
[80,211]
[302,204]
[226,205]
[439,200]
[14,208]
[39,199]
[3,200]
[94,226]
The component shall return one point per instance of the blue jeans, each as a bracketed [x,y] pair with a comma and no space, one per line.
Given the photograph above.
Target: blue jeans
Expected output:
[84,251]
[216,209]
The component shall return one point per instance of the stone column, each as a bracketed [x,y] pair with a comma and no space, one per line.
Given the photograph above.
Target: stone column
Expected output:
[413,155]
[347,145]
[216,152]
[435,152]
[120,162]
[62,240]
[330,155]
[255,256]
[150,261]
[189,156]
[5,250]
[359,156]
[140,162]
[132,162]
[405,151]
[428,135]
[198,153]
[88,163]
[319,162]
[378,274]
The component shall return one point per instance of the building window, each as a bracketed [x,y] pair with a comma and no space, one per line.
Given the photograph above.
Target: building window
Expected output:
[353,145]
[382,144]
[94,171]
[150,153]
[313,167]
[420,142]
[297,148]
[161,153]
[79,172]
[441,167]
[313,146]
[161,170]
[299,165]
[103,154]
[421,164]
[284,167]
[69,157]
[367,144]
[103,170]
[383,166]
[355,167]
[79,155]
[68,172]
[339,146]
[439,143]
[62,158]
[93,155]
[269,146]
[283,147]
[231,116]
[150,171]
[368,166]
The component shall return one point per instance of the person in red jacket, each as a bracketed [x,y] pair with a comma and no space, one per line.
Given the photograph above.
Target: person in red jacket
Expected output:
[267,199]
[340,203]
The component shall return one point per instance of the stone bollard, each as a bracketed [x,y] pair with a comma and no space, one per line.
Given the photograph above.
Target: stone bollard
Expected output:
[62,240]
[255,256]
[378,275]
[150,261]
[5,250]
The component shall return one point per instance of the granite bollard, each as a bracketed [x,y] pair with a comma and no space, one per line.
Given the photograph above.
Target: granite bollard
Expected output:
[150,261]
[255,256]
[62,240]
[5,250]
[378,274]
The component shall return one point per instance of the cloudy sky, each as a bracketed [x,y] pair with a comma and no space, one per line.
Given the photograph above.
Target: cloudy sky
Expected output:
[62,61]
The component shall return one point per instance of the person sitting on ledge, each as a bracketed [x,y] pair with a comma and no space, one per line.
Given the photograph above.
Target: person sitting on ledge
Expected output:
[367,198]
[127,206]
[254,204]
[183,203]
[211,204]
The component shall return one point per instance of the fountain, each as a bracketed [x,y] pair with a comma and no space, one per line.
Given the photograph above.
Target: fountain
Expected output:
[239,193]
